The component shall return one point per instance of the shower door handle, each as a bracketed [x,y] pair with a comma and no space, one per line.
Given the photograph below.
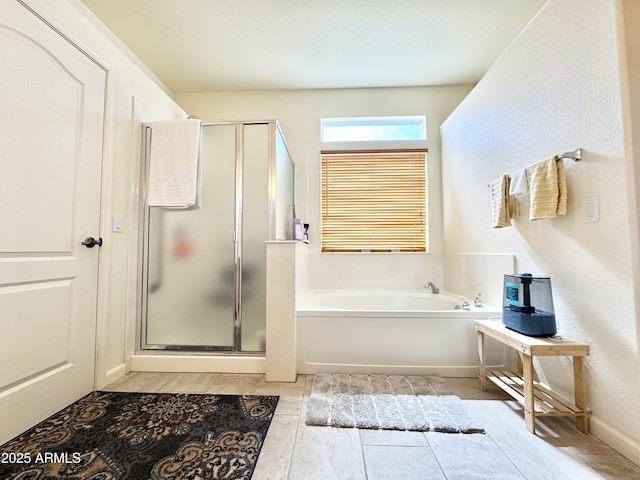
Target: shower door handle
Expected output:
[91,242]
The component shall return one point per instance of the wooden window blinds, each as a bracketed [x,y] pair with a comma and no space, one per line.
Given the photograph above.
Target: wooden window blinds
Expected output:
[374,200]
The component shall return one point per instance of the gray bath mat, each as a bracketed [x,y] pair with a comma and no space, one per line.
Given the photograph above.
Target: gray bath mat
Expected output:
[392,402]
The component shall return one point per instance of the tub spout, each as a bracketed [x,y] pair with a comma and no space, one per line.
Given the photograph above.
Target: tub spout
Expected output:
[433,288]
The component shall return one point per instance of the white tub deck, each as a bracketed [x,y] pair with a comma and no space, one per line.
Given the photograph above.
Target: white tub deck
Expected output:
[335,334]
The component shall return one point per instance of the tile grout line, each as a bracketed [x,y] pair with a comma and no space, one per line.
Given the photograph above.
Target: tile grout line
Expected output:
[506,455]
[364,460]
[166,383]
[435,455]
[295,438]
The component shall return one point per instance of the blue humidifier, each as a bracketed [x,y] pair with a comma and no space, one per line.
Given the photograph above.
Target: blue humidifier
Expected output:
[528,305]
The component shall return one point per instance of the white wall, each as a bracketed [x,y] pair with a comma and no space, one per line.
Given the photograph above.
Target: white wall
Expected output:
[299,114]
[558,87]
[132,98]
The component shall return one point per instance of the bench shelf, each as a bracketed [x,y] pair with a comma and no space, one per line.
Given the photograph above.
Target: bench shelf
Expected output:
[536,399]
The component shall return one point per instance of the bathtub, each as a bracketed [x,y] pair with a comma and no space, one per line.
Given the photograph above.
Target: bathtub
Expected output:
[390,332]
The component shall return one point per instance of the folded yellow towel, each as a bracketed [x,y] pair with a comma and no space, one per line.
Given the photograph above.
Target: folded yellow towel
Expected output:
[547,188]
[504,207]
[562,188]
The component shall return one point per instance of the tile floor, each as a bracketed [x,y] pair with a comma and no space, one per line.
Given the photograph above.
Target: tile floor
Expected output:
[295,451]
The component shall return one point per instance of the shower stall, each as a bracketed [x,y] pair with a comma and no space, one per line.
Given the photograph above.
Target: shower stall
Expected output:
[203,268]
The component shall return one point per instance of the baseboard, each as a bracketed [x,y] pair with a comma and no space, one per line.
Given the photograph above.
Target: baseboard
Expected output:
[308,368]
[195,363]
[111,376]
[620,442]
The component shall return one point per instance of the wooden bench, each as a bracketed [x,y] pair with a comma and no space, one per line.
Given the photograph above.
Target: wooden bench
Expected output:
[537,400]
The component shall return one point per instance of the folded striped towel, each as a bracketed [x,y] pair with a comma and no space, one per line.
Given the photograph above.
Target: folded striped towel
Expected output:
[504,207]
[548,189]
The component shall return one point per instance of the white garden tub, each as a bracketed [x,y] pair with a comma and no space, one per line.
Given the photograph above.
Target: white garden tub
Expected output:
[390,331]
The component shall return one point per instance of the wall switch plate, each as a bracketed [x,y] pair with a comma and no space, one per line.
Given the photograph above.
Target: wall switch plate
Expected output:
[591,209]
[117,223]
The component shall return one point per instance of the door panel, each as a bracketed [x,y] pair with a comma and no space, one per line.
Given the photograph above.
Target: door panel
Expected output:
[37,187]
[41,313]
[51,119]
[190,284]
[255,212]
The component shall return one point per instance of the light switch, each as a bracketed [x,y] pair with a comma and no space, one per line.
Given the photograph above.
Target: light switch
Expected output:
[117,223]
[591,209]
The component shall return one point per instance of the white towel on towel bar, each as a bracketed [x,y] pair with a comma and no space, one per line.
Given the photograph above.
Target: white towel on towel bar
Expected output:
[518,186]
[174,164]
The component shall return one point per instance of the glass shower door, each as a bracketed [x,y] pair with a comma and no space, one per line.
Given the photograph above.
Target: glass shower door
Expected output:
[204,268]
[255,227]
[191,259]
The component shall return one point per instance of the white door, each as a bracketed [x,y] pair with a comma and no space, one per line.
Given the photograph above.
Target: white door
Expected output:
[51,129]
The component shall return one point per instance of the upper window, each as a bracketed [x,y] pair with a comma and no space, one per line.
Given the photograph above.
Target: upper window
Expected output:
[367,129]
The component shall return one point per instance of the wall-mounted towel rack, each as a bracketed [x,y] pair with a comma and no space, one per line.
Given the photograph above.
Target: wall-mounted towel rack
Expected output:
[574,155]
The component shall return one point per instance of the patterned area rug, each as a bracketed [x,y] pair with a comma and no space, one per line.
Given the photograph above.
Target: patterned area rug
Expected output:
[131,436]
[392,402]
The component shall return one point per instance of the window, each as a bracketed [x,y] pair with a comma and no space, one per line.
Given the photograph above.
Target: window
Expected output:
[363,129]
[374,200]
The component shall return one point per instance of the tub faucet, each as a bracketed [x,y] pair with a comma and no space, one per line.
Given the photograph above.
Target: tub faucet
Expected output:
[466,305]
[478,301]
[433,288]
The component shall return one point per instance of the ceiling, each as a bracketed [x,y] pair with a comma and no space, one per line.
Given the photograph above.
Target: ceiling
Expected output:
[223,45]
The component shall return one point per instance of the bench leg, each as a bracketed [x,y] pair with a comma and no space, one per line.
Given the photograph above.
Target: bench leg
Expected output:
[527,374]
[482,379]
[580,393]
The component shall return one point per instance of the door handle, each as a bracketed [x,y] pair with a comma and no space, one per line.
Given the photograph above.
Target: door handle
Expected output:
[91,242]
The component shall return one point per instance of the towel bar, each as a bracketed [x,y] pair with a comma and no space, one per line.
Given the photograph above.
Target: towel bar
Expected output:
[575,155]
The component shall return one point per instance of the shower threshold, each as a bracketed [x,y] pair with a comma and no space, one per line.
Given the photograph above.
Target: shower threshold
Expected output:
[195,349]
[187,361]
